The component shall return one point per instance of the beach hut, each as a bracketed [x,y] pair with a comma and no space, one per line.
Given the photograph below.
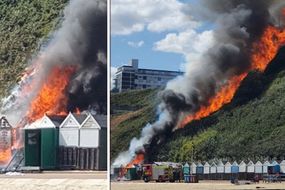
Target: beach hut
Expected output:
[258,168]
[235,167]
[207,168]
[273,168]
[186,169]
[200,168]
[265,167]
[213,168]
[242,167]
[228,167]
[193,168]
[220,167]
[250,167]
[282,166]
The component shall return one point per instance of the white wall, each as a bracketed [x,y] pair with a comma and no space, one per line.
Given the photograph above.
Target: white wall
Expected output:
[68,137]
[89,137]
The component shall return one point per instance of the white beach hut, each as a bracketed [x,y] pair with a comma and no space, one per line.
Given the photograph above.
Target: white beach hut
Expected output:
[282,166]
[265,167]
[220,167]
[228,167]
[258,167]
[250,167]
[213,168]
[193,168]
[207,168]
[242,167]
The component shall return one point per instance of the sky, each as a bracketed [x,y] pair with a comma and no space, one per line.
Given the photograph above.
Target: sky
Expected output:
[162,34]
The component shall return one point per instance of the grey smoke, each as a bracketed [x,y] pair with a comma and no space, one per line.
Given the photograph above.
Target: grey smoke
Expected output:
[238,23]
[81,41]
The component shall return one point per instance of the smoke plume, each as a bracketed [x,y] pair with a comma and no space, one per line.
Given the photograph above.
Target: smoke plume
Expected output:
[79,42]
[238,24]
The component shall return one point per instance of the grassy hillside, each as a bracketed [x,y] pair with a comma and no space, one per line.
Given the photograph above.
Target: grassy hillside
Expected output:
[131,111]
[252,126]
[23,24]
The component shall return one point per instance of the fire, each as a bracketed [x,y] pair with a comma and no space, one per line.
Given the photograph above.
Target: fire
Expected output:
[263,52]
[51,98]
[137,160]
[5,156]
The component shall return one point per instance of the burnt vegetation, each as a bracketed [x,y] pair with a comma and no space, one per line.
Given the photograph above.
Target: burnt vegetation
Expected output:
[252,126]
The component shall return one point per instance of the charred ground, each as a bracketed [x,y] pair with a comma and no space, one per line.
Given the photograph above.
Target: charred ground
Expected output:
[252,126]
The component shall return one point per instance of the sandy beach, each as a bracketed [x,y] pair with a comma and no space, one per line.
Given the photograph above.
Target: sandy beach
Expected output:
[55,181]
[202,185]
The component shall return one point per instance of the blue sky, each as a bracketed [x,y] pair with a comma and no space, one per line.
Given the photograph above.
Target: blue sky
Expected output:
[160,33]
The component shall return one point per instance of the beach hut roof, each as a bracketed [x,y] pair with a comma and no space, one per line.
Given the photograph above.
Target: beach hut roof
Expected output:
[228,164]
[213,164]
[283,162]
[242,163]
[266,163]
[274,163]
[258,163]
[206,164]
[250,163]
[193,164]
[235,163]
[186,165]
[220,163]
[200,164]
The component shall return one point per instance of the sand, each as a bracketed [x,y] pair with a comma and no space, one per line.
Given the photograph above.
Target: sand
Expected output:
[223,185]
[55,181]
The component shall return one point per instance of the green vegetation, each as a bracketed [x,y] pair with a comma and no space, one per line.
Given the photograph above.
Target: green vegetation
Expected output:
[252,126]
[136,108]
[24,25]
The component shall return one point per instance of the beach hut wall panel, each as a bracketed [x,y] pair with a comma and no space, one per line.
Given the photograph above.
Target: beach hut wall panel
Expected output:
[250,167]
[234,168]
[228,167]
[69,132]
[213,168]
[242,167]
[282,166]
[89,133]
[265,167]
[258,168]
[206,168]
[220,167]
[200,168]
[193,168]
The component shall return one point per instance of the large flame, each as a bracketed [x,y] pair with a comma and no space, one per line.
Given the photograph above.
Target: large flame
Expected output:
[51,98]
[263,52]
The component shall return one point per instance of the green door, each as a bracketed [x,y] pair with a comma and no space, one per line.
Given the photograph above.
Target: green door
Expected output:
[49,146]
[32,147]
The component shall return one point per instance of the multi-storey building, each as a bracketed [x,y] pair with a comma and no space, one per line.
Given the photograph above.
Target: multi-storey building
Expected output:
[132,77]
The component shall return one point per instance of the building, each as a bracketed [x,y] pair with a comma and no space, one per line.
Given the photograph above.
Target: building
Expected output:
[132,77]
[75,141]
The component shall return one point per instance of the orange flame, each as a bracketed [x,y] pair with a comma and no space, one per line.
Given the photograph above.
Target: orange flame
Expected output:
[137,160]
[263,52]
[5,156]
[51,98]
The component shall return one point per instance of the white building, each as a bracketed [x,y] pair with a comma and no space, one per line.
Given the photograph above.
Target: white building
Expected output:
[220,167]
[193,168]
[265,167]
[282,166]
[132,77]
[69,130]
[228,168]
[213,168]
[207,168]
[89,133]
[250,167]
[258,167]
[242,167]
